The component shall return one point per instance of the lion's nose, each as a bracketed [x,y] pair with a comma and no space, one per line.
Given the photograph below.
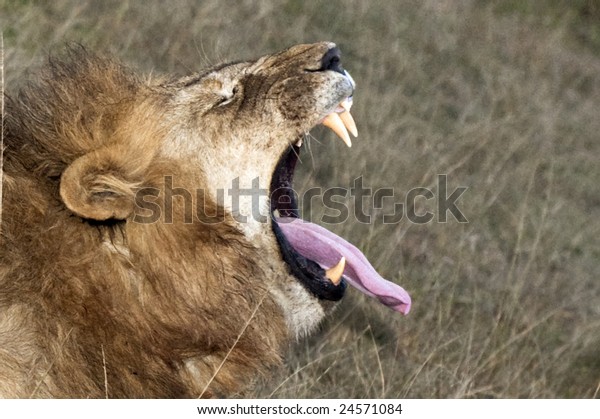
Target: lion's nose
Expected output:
[332,60]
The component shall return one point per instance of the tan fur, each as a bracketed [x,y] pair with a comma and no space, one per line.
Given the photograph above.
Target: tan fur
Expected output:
[93,303]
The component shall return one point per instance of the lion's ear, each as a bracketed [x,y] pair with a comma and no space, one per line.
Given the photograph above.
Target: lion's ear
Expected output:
[99,186]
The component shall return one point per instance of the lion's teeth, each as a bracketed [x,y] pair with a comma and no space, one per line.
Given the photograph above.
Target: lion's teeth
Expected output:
[299,142]
[335,273]
[349,122]
[346,117]
[334,122]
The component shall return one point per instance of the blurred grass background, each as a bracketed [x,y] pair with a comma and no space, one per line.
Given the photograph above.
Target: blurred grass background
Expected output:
[502,96]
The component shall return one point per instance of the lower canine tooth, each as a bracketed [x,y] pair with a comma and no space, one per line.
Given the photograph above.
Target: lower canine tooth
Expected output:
[335,273]
[334,122]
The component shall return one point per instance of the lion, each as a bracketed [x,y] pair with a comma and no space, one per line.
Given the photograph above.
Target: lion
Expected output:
[123,270]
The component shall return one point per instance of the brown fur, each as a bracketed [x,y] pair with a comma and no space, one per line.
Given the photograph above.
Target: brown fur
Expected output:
[95,304]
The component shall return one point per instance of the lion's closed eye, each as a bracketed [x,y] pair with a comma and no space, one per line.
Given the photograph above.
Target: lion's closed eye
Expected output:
[213,92]
[227,96]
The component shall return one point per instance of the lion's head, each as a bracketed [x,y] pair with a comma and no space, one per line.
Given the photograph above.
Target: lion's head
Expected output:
[155,219]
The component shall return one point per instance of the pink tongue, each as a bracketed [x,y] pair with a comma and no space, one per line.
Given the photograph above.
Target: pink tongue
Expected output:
[322,246]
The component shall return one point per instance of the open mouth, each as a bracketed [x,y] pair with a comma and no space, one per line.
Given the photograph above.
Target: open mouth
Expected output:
[322,261]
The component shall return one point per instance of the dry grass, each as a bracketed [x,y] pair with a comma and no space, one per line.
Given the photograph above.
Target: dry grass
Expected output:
[501,96]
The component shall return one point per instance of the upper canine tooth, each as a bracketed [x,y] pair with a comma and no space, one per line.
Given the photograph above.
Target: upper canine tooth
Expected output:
[334,122]
[335,273]
[349,122]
